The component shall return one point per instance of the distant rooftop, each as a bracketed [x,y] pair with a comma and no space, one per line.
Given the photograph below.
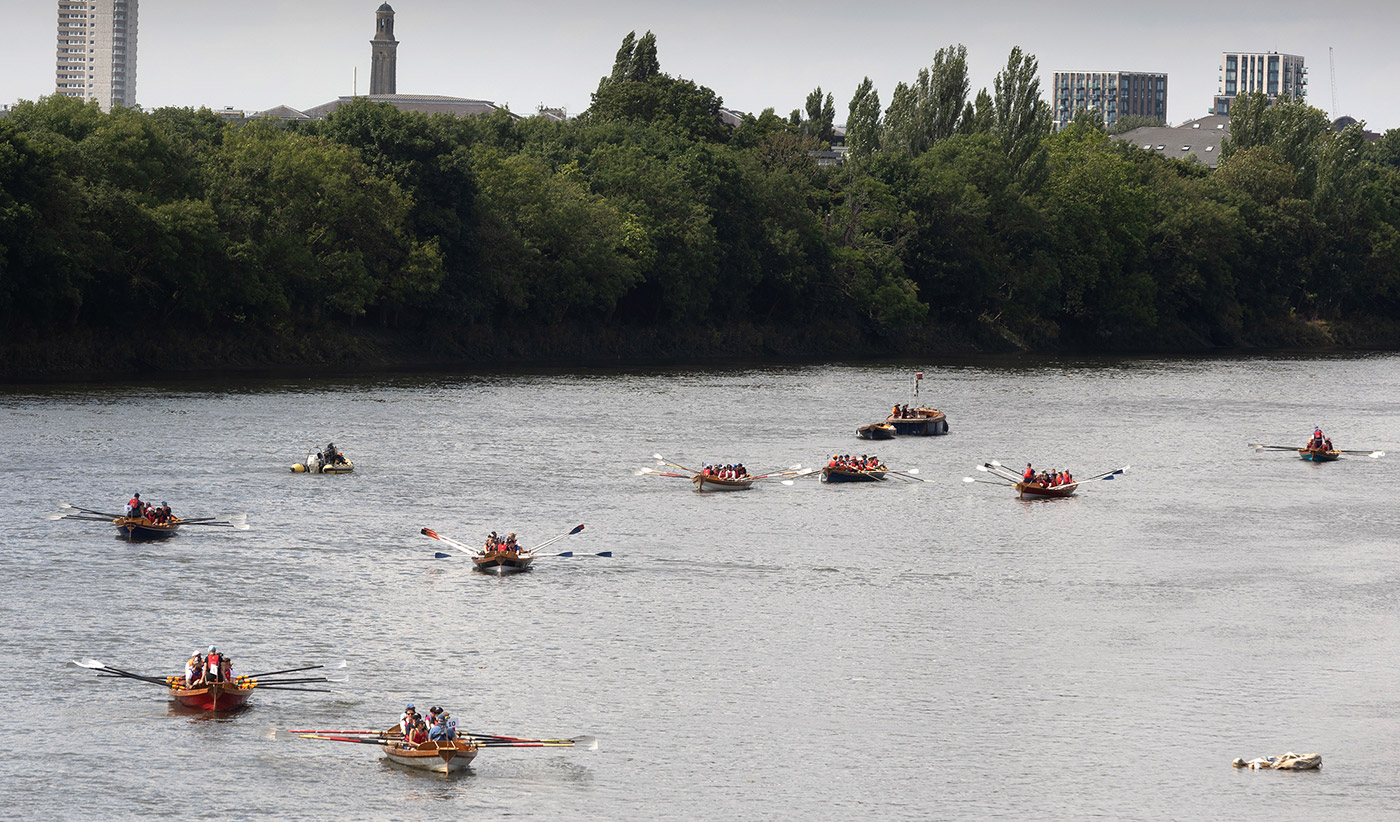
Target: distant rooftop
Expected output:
[1194,138]
[421,103]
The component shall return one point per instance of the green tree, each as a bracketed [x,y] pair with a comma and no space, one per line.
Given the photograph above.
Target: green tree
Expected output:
[821,117]
[1022,118]
[863,122]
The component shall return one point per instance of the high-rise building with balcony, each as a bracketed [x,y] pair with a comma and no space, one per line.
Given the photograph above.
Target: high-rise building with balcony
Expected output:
[1110,94]
[97,51]
[1272,74]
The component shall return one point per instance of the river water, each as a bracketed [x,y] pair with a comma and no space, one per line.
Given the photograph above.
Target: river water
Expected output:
[885,651]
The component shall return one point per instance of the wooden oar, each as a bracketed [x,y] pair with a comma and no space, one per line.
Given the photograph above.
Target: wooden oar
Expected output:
[89,511]
[784,472]
[1105,475]
[989,482]
[83,517]
[94,665]
[907,474]
[329,667]
[649,472]
[1258,447]
[238,523]
[673,465]
[1375,455]
[574,530]
[428,532]
[805,472]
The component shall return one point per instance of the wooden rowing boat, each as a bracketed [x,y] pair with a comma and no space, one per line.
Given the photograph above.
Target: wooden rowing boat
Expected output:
[921,422]
[140,528]
[704,482]
[503,562]
[437,755]
[216,696]
[876,431]
[1034,490]
[1318,454]
[830,474]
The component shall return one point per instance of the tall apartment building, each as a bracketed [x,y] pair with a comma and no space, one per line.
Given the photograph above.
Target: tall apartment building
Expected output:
[97,51]
[1111,94]
[1273,74]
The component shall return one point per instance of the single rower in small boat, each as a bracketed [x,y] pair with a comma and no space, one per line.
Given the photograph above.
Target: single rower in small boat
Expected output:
[328,460]
[848,468]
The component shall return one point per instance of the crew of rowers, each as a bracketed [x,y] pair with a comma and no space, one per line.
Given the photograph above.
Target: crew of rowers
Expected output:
[498,545]
[203,669]
[902,412]
[154,514]
[438,725]
[735,471]
[1046,479]
[846,462]
[1319,442]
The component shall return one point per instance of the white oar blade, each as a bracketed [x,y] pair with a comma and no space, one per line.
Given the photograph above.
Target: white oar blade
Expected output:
[1375,455]
[337,679]
[983,469]
[589,742]
[968,479]
[335,666]
[91,664]
[787,482]
[994,462]
[657,457]
[912,471]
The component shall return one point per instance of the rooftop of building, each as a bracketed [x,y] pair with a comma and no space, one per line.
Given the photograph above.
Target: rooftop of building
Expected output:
[1199,138]
[421,103]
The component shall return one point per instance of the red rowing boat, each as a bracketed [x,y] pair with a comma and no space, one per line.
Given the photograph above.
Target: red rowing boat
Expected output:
[216,696]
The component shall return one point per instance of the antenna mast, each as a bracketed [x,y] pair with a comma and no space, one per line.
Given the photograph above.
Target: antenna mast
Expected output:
[1332,66]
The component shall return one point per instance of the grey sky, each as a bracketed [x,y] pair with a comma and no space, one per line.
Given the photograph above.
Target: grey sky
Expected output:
[254,54]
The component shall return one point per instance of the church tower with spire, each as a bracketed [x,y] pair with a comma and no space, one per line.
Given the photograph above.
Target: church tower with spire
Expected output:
[383,71]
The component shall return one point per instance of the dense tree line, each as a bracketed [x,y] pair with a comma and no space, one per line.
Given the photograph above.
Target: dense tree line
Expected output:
[951,211]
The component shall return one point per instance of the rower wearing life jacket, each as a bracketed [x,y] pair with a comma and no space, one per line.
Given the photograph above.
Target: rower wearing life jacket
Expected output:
[211,665]
[1029,474]
[194,669]
[133,505]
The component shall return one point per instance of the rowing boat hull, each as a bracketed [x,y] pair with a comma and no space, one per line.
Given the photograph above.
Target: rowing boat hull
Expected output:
[1034,490]
[1318,454]
[704,483]
[926,422]
[137,528]
[500,563]
[445,758]
[876,431]
[842,475]
[214,697]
